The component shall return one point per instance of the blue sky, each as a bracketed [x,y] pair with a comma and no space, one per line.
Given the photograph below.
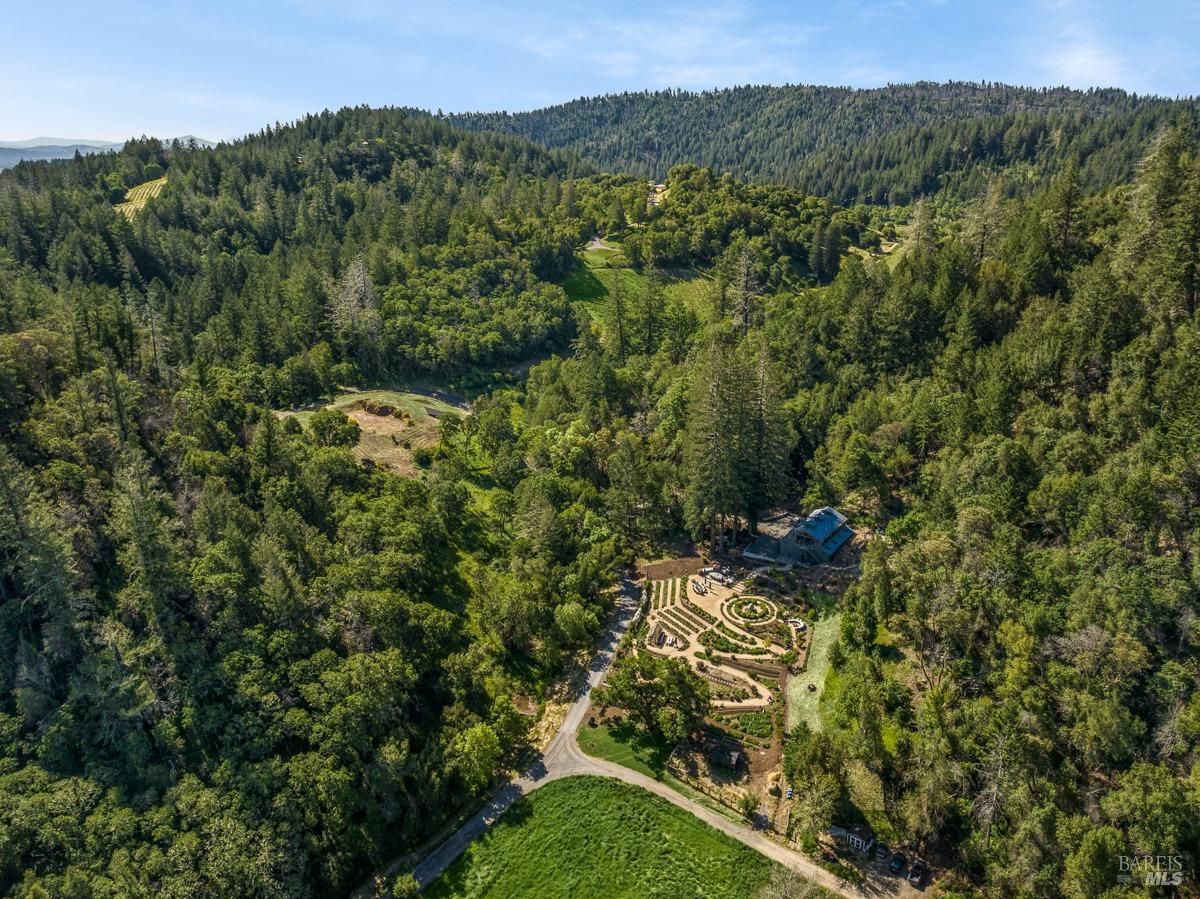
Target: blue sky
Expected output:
[218,68]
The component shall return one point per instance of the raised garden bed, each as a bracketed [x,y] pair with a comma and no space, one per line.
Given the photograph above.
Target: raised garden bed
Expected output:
[721,643]
[696,610]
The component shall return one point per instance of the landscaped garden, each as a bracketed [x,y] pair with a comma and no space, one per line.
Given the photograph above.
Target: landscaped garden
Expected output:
[751,609]
[753,724]
[719,642]
[621,842]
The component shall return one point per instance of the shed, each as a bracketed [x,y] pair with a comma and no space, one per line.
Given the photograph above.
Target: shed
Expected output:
[725,757]
[858,836]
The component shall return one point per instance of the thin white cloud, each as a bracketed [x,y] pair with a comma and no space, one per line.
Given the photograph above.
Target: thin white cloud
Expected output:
[700,47]
[1072,48]
[1085,63]
[683,46]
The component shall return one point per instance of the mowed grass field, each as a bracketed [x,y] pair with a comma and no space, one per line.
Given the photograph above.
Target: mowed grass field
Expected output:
[136,197]
[803,704]
[389,440]
[591,836]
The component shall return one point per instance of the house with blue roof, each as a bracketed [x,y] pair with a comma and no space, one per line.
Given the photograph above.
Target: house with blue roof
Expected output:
[812,540]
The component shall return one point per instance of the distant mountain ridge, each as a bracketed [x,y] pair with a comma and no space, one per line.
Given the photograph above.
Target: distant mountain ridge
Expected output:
[36,143]
[12,152]
[877,145]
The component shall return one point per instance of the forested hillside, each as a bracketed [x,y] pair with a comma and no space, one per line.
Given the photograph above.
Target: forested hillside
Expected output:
[883,145]
[235,661]
[1012,406]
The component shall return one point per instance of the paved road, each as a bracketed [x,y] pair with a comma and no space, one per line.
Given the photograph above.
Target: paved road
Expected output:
[564,758]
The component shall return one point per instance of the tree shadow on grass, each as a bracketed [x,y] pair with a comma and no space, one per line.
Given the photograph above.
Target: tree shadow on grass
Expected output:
[582,285]
[651,750]
[823,604]
[888,653]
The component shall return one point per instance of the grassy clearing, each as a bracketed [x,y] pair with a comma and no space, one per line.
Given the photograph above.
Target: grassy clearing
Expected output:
[865,789]
[692,289]
[590,836]
[623,745]
[804,704]
[136,197]
[411,402]
[591,283]
[896,253]
[389,440]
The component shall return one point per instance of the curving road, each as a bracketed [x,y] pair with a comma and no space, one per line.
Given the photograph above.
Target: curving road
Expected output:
[564,758]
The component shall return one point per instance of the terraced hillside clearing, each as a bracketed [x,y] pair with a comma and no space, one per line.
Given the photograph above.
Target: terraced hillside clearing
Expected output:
[394,423]
[591,836]
[136,197]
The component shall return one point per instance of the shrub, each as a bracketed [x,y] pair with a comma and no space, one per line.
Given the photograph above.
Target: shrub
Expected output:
[405,886]
[748,805]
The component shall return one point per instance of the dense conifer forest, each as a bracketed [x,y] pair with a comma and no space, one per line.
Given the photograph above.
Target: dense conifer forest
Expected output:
[883,145]
[237,660]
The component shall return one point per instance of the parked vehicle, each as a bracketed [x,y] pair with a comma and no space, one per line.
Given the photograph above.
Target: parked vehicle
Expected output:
[882,851]
[897,863]
[916,874]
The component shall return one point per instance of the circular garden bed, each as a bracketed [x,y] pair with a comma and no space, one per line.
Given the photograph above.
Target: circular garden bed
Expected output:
[749,610]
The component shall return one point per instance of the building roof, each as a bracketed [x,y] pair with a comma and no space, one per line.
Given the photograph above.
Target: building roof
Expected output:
[819,535]
[723,755]
[765,548]
[861,832]
[822,524]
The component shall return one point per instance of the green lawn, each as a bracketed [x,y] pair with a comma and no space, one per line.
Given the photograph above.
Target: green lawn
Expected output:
[803,704]
[594,837]
[625,746]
